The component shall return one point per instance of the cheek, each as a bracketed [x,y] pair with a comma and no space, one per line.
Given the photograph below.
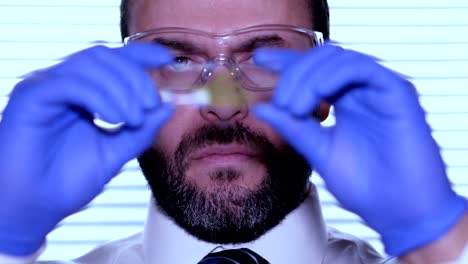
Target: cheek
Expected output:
[274,137]
[253,98]
[170,135]
[257,125]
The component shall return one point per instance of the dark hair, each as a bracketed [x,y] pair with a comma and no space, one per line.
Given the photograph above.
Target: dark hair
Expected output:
[318,9]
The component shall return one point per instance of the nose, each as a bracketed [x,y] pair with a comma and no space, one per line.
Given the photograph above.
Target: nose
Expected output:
[227,100]
[224,113]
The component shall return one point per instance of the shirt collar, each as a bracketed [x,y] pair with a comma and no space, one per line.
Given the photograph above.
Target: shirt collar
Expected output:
[300,238]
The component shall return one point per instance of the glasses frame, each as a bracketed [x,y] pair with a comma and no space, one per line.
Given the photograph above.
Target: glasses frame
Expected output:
[206,72]
[317,35]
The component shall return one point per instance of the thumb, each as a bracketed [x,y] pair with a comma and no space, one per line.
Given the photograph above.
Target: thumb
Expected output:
[275,59]
[304,134]
[130,143]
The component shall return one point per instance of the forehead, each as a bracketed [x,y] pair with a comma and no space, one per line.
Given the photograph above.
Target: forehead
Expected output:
[216,16]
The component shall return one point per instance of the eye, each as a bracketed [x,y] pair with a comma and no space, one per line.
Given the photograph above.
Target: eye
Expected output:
[181,63]
[244,58]
[249,60]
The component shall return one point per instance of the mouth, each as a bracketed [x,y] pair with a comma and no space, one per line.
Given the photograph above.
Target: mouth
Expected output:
[223,152]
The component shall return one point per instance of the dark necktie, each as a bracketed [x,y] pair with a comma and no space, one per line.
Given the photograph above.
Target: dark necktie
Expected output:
[234,256]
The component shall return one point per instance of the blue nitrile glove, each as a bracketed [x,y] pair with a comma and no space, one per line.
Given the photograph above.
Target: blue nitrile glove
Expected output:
[53,160]
[379,160]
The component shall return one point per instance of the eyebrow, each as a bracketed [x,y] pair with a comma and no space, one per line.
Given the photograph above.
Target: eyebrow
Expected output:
[262,41]
[248,46]
[178,45]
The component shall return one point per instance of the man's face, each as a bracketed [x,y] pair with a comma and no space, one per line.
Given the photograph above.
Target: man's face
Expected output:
[219,172]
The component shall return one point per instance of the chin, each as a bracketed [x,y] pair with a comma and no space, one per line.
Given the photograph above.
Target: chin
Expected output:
[226,200]
[226,212]
[225,178]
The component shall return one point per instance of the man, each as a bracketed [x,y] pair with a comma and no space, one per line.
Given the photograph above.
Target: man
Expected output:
[234,172]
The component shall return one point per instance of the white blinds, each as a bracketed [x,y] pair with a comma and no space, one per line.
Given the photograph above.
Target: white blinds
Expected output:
[425,39]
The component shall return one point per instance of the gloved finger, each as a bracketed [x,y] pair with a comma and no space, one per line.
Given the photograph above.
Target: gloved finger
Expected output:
[144,54]
[131,143]
[97,67]
[142,81]
[343,71]
[135,86]
[147,55]
[134,77]
[290,84]
[129,64]
[304,101]
[275,59]
[306,135]
[48,105]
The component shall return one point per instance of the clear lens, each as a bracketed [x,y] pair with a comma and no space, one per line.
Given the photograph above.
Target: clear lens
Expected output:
[199,55]
[173,77]
[257,78]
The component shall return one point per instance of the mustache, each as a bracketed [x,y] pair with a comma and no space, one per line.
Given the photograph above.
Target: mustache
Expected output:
[222,134]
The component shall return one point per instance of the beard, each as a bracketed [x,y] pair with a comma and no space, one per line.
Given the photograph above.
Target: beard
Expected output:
[226,213]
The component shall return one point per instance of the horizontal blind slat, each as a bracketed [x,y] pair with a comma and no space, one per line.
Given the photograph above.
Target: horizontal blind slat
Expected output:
[360,4]
[386,17]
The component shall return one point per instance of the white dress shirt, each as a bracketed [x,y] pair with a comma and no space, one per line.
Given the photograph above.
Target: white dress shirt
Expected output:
[301,238]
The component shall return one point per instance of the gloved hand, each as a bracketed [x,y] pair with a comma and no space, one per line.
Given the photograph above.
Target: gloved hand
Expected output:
[379,160]
[53,160]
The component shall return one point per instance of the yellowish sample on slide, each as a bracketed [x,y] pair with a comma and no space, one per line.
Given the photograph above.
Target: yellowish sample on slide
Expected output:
[225,91]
